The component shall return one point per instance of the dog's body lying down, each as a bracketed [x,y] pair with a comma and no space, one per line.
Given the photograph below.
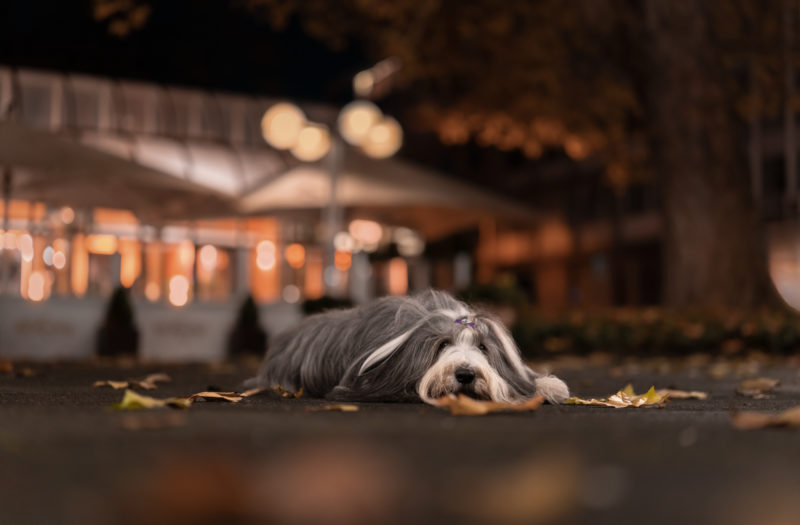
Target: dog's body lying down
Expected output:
[404,349]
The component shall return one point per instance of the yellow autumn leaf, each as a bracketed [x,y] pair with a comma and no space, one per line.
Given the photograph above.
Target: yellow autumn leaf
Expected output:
[462,405]
[134,401]
[623,399]
[336,407]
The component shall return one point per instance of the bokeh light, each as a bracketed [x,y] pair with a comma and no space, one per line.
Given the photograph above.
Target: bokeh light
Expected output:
[25,245]
[342,260]
[384,139]
[265,255]
[313,143]
[66,215]
[178,290]
[59,260]
[357,119]
[291,294]
[295,255]
[208,257]
[36,291]
[282,124]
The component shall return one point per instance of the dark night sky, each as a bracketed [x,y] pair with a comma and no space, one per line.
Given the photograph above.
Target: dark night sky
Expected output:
[202,43]
[210,44]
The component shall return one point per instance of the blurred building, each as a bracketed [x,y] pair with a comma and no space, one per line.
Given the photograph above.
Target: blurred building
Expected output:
[174,194]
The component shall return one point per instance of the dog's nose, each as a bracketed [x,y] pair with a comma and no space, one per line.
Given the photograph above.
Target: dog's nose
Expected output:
[464,375]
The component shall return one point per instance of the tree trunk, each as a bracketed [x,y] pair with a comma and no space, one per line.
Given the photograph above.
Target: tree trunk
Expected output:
[713,238]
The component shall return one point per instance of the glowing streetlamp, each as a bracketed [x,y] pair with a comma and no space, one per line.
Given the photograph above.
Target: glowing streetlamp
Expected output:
[282,124]
[383,139]
[356,119]
[313,142]
[360,124]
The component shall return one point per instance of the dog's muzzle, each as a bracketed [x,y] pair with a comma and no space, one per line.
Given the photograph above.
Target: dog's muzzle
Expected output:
[464,375]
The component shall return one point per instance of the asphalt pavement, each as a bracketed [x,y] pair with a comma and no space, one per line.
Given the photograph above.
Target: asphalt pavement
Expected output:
[67,457]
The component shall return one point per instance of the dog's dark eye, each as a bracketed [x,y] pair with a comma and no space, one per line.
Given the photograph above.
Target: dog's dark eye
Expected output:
[482,347]
[443,345]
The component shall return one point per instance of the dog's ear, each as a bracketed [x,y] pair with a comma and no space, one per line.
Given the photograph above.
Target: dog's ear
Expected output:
[386,349]
[509,347]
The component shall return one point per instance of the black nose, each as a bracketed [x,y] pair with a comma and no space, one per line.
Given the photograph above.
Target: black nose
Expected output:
[464,375]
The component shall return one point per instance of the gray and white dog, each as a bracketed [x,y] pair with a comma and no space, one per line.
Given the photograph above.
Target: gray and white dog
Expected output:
[404,349]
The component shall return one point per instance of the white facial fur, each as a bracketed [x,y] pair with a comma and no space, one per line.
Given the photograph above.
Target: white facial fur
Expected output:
[440,378]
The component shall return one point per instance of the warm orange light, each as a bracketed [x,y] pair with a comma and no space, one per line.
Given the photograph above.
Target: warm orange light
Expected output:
[101,244]
[398,276]
[25,244]
[282,124]
[80,266]
[36,287]
[314,285]
[59,260]
[366,232]
[152,291]
[178,290]
[66,214]
[186,254]
[208,257]
[295,255]
[342,260]
[130,262]
[265,255]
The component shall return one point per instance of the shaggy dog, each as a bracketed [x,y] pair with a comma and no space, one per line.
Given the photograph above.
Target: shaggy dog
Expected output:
[404,349]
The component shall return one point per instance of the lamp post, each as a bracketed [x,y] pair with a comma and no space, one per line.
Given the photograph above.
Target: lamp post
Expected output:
[360,124]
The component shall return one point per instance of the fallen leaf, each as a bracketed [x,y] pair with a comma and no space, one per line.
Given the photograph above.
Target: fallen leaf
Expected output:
[116,385]
[462,405]
[148,383]
[253,392]
[338,407]
[232,397]
[757,388]
[133,401]
[623,399]
[682,394]
[287,393]
[754,420]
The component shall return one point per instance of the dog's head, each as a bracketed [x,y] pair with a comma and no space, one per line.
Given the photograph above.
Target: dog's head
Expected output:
[444,348]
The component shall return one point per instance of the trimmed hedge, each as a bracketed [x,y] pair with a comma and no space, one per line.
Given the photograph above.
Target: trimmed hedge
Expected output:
[656,331]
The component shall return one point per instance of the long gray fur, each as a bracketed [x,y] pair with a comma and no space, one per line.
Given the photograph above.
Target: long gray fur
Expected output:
[325,353]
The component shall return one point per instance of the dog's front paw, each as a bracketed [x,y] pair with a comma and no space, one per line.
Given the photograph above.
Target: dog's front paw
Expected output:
[552,388]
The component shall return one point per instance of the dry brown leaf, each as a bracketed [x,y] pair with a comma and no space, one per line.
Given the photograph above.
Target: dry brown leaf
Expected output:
[148,383]
[337,407]
[288,394]
[232,397]
[681,394]
[462,405]
[116,385]
[624,398]
[757,388]
[253,392]
[754,420]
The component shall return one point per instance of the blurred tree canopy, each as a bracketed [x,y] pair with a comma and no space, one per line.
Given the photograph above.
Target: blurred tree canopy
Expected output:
[648,88]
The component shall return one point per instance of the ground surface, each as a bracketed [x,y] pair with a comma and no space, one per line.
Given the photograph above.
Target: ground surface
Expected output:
[65,457]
